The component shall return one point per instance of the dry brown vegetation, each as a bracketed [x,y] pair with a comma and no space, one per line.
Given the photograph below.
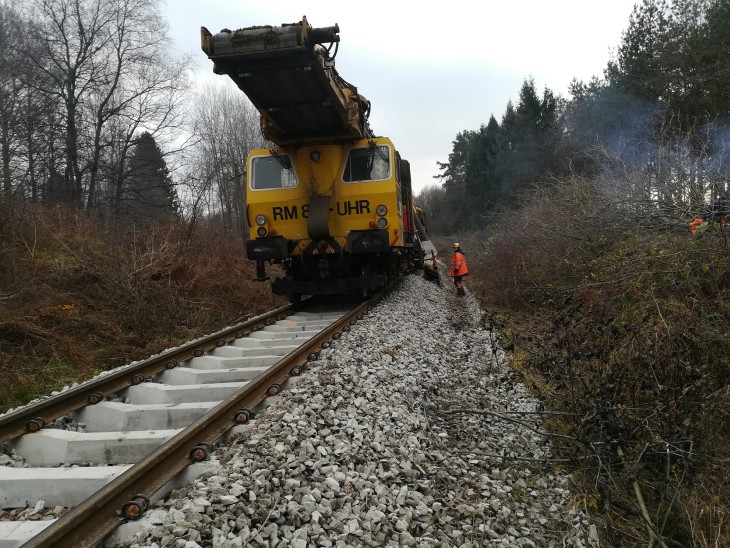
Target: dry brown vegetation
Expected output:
[78,295]
[626,324]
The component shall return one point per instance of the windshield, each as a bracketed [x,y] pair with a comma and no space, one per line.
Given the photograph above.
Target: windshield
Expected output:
[270,172]
[367,164]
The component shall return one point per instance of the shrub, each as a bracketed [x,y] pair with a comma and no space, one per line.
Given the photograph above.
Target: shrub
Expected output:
[625,324]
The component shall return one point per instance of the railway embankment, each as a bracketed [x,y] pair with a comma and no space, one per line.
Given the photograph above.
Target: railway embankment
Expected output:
[410,430]
[78,297]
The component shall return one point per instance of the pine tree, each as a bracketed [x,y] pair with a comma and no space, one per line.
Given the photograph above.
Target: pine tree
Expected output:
[715,54]
[149,195]
[638,68]
[529,136]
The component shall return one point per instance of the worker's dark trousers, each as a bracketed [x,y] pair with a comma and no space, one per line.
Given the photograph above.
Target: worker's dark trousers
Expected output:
[459,287]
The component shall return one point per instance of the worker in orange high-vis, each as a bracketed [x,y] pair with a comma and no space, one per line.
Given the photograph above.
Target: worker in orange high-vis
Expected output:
[458,269]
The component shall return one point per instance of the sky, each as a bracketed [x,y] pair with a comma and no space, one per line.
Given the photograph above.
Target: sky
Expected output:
[432,70]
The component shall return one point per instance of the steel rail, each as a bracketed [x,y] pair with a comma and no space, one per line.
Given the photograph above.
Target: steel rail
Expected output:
[126,497]
[33,417]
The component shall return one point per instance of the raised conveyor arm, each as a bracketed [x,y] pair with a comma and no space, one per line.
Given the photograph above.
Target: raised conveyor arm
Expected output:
[290,78]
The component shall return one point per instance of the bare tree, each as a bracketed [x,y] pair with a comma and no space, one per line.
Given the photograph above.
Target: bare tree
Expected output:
[146,90]
[106,64]
[228,128]
[12,106]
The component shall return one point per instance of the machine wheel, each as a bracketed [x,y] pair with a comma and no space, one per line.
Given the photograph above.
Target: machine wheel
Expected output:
[418,255]
[295,299]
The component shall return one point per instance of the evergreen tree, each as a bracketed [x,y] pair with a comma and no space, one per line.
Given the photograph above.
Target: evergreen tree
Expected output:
[149,194]
[638,67]
[676,53]
[662,111]
[487,168]
[529,135]
[715,55]
[483,179]
[454,178]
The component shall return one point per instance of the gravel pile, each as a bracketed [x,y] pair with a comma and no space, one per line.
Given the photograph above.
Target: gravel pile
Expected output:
[379,444]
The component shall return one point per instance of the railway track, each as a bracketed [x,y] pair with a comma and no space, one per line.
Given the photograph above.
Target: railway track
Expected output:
[150,425]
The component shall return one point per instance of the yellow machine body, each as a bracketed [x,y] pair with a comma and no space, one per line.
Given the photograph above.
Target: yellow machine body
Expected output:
[351,204]
[336,216]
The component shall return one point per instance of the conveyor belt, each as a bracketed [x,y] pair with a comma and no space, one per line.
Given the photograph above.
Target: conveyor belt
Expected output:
[290,78]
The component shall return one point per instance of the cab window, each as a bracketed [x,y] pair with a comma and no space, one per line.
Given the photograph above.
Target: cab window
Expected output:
[271,172]
[367,164]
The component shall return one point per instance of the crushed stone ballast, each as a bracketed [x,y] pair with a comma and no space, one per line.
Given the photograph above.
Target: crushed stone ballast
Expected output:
[374,446]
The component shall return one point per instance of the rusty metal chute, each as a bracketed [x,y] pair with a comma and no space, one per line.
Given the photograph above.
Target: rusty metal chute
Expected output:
[289,76]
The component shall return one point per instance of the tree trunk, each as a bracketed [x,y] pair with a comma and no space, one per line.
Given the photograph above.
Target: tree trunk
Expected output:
[69,181]
[7,183]
[31,153]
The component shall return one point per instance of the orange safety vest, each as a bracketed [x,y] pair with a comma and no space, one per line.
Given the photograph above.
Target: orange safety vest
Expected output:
[458,265]
[694,224]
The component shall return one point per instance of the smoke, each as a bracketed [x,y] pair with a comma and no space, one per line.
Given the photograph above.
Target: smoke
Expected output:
[641,159]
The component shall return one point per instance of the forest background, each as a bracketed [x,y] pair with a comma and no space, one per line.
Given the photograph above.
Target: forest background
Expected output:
[122,213]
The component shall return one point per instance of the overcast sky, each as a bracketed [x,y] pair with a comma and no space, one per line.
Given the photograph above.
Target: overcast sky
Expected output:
[431,73]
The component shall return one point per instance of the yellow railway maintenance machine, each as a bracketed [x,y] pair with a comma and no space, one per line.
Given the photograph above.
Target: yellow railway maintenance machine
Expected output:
[331,203]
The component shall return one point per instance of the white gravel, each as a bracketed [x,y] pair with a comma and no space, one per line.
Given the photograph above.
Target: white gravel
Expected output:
[362,451]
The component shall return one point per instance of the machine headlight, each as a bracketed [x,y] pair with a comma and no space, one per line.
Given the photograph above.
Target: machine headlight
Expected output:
[381,210]
[260,219]
[261,231]
[382,223]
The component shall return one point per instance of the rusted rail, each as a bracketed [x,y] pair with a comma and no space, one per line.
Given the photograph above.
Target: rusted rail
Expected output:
[33,417]
[127,496]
